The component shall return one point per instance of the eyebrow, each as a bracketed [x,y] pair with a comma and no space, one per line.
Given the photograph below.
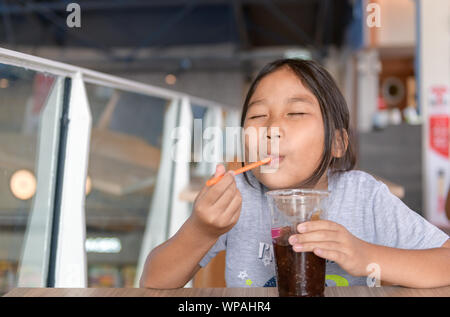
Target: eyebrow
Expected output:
[301,98]
[256,102]
[295,98]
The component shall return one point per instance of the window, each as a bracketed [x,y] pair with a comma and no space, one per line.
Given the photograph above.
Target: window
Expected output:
[125,153]
[30,104]
[89,181]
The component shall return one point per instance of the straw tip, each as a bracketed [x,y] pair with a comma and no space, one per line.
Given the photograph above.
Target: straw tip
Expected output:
[266,160]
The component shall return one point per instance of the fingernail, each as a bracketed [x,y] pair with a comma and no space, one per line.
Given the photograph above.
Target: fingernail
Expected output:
[292,240]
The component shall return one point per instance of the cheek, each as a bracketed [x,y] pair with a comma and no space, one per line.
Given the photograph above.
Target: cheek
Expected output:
[306,150]
[252,138]
[307,140]
[309,148]
[251,147]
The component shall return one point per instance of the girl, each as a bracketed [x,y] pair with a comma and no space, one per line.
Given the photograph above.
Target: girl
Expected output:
[366,224]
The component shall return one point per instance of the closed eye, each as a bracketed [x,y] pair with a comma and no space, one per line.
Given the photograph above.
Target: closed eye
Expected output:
[296,113]
[257,116]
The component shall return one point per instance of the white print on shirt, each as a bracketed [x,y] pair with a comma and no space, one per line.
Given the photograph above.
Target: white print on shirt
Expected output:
[243,275]
[265,253]
[266,261]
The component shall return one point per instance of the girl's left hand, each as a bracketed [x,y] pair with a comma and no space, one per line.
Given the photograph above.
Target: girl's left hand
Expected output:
[330,240]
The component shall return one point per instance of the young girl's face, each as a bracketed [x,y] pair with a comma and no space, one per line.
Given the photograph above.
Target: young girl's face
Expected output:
[282,101]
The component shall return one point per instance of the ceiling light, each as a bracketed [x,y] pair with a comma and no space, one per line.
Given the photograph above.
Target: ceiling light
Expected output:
[4,83]
[23,184]
[103,245]
[171,79]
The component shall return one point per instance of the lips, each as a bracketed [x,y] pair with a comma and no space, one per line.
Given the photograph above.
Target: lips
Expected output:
[276,160]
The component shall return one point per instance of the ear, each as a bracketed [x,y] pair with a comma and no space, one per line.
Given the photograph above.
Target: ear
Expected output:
[340,143]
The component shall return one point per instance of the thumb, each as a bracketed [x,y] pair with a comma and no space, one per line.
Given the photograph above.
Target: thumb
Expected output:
[220,169]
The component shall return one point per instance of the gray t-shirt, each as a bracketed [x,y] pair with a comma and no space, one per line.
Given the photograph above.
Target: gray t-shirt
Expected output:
[360,203]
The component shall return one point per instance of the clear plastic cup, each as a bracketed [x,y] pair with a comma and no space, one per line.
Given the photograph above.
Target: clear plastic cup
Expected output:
[299,274]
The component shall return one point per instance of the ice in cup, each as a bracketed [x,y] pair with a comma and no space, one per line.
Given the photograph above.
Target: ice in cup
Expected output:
[299,274]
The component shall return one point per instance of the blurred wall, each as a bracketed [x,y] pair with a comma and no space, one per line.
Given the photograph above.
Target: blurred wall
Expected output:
[395,154]
[398,23]
[226,87]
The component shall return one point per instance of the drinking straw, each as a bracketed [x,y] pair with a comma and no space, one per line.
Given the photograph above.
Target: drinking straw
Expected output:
[246,168]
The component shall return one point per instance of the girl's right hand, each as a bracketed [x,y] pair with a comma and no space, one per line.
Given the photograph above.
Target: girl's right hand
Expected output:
[217,207]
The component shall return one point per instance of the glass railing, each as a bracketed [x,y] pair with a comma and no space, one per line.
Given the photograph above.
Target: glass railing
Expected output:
[31,104]
[91,171]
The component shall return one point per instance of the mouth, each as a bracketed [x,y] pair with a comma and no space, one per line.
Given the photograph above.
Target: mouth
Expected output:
[276,160]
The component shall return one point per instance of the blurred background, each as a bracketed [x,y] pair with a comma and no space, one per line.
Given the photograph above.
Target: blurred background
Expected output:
[173,61]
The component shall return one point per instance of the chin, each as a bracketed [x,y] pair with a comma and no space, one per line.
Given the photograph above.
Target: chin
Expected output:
[275,181]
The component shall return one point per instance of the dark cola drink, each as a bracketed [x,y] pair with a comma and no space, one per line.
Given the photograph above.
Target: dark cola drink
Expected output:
[299,274]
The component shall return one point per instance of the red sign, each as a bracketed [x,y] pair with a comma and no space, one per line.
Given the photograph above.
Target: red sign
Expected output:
[439,134]
[439,96]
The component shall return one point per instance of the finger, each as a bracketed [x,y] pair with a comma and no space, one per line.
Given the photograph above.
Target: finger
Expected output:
[237,214]
[231,213]
[225,198]
[216,191]
[318,225]
[331,255]
[201,193]
[320,235]
[233,206]
[220,169]
[310,246]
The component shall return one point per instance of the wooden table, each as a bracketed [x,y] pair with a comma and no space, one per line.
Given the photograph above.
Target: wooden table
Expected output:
[352,291]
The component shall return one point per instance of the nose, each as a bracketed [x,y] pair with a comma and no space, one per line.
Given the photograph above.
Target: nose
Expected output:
[274,130]
[271,134]
[273,140]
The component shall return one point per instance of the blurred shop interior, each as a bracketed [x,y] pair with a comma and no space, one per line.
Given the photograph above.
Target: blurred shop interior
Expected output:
[210,50]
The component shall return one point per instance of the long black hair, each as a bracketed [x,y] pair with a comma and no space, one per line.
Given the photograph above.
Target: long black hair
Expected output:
[333,107]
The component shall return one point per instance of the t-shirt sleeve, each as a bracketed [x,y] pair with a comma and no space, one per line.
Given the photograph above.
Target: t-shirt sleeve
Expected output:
[220,245]
[397,226]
